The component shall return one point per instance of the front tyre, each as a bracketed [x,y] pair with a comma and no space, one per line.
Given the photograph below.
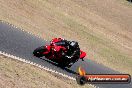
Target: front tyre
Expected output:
[39,51]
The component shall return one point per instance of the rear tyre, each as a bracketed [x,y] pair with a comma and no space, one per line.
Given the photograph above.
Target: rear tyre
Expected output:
[39,51]
[62,65]
[69,65]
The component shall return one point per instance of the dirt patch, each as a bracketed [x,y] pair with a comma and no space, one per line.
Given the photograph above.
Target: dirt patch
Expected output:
[16,74]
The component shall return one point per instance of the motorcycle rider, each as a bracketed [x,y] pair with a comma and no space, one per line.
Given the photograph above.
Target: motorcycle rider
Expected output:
[71,46]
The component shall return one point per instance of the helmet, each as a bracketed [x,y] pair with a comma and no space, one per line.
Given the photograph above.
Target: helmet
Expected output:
[74,44]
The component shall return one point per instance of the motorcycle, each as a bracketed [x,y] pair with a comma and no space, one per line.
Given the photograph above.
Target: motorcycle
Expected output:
[57,54]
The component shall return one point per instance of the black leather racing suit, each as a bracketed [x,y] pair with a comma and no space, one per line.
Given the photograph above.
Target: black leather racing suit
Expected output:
[73,48]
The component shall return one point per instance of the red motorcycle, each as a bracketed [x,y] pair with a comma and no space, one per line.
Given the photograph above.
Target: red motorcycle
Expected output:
[56,54]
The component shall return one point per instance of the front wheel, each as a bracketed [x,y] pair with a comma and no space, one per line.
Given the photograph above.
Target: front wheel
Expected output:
[39,51]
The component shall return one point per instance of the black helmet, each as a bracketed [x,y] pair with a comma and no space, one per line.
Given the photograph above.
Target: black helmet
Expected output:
[74,44]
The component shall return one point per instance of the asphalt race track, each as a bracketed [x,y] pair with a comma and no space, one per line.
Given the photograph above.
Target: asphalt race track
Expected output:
[21,44]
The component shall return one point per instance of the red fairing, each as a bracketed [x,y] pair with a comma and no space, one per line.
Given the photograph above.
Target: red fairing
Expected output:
[58,48]
[82,55]
[55,40]
[54,52]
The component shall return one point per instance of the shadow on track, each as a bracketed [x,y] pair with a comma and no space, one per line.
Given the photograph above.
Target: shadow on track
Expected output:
[64,68]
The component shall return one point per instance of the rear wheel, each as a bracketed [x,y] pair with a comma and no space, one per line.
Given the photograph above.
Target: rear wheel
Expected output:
[39,51]
[63,65]
[66,62]
[69,65]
